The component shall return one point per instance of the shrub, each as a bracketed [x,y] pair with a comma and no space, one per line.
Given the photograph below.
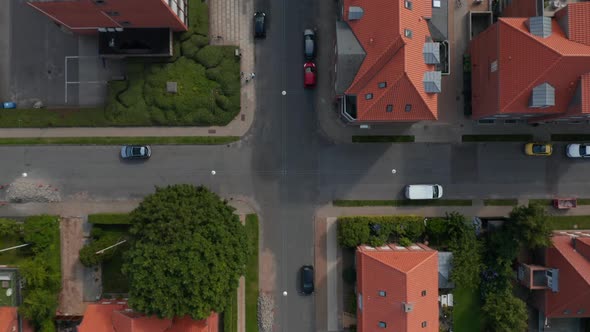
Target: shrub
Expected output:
[88,255]
[405,242]
[109,218]
[354,231]
[41,232]
[9,228]
[436,230]
[209,56]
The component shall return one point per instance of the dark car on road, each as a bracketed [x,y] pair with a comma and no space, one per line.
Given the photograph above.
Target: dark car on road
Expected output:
[309,48]
[259,25]
[307,287]
[136,151]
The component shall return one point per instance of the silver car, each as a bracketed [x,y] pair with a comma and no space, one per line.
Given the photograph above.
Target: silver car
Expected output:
[578,150]
[309,47]
[136,151]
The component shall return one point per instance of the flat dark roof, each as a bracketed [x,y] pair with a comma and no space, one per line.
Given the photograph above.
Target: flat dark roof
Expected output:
[134,42]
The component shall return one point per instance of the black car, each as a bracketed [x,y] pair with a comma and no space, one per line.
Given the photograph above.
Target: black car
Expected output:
[259,25]
[136,151]
[307,287]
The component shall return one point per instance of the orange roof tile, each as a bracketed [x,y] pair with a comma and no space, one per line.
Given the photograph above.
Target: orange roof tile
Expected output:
[393,58]
[403,275]
[524,61]
[114,318]
[578,16]
[8,319]
[573,297]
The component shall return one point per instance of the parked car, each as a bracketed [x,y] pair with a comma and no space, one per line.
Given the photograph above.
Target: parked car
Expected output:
[578,150]
[307,287]
[136,151]
[260,25]
[424,191]
[538,149]
[8,104]
[309,74]
[309,48]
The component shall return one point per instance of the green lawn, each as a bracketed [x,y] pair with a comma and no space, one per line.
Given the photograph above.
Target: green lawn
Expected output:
[569,222]
[402,202]
[167,140]
[15,256]
[42,118]
[467,310]
[113,280]
[252,275]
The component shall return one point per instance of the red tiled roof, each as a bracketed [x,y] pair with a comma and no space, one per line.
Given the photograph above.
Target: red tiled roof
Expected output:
[523,62]
[521,8]
[403,275]
[114,318]
[574,278]
[393,58]
[8,319]
[578,16]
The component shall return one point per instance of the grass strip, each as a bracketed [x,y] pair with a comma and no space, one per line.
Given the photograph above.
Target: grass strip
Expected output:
[570,137]
[252,275]
[569,222]
[583,201]
[541,201]
[167,140]
[402,202]
[467,310]
[501,202]
[383,139]
[230,314]
[497,138]
[109,218]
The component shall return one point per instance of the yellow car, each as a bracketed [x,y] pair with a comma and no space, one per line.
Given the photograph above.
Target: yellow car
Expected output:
[538,149]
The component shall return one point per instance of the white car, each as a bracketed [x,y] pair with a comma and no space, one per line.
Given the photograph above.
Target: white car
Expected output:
[424,191]
[578,150]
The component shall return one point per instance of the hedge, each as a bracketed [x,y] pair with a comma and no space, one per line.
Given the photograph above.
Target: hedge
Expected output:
[354,231]
[109,218]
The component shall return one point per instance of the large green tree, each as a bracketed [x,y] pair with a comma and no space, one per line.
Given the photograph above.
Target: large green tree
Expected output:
[530,226]
[505,312]
[188,250]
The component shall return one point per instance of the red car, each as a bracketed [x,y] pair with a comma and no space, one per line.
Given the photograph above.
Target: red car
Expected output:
[309,74]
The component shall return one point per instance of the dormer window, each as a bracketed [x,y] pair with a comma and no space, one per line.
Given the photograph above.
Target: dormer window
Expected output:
[369,96]
[408,4]
[382,325]
[382,293]
[382,85]
[389,108]
[408,107]
[408,33]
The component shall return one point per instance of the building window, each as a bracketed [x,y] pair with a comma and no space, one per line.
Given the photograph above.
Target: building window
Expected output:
[99,2]
[408,4]
[408,107]
[389,108]
[382,293]
[125,23]
[360,301]
[567,312]
[424,324]
[494,66]
[423,293]
[408,33]
[382,85]
[112,13]
[369,96]
[382,324]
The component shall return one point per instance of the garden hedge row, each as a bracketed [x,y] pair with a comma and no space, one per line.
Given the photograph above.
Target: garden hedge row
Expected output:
[110,218]
[354,231]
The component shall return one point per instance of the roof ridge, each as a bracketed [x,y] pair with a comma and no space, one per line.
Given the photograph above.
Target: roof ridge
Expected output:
[393,47]
[518,95]
[433,252]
